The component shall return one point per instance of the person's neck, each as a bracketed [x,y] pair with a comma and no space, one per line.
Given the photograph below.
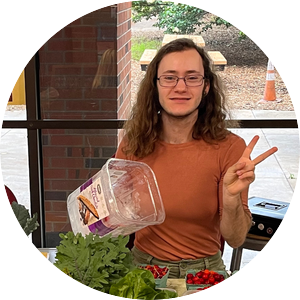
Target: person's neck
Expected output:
[178,130]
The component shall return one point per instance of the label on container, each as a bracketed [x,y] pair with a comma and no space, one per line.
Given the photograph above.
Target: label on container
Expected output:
[91,203]
[100,229]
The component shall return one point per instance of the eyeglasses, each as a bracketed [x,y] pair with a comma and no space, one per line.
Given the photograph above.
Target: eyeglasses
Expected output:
[172,80]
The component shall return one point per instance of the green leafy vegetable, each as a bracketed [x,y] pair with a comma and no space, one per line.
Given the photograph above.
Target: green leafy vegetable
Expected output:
[22,214]
[94,261]
[139,284]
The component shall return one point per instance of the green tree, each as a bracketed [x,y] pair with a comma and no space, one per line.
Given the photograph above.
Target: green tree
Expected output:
[175,17]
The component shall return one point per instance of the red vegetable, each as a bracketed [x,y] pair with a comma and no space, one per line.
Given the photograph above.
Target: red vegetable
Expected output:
[204,277]
[157,272]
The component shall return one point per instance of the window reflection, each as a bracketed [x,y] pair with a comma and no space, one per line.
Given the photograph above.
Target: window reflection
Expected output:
[106,72]
[79,69]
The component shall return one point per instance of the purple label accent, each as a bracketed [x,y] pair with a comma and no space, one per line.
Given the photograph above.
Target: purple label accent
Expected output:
[99,228]
[86,184]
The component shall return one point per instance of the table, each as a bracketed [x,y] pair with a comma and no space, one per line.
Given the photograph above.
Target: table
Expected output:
[49,253]
[217,59]
[252,242]
[198,39]
[146,58]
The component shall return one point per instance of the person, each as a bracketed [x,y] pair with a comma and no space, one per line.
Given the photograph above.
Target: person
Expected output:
[178,127]
[106,71]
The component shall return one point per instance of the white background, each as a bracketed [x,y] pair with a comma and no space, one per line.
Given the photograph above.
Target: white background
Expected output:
[27,25]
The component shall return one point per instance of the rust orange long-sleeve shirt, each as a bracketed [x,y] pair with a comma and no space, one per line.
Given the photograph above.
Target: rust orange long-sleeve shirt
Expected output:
[189,178]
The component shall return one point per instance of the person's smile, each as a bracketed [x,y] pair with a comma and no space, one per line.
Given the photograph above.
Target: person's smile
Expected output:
[180,99]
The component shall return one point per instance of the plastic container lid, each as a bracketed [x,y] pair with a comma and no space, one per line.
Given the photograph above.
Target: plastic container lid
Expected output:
[121,198]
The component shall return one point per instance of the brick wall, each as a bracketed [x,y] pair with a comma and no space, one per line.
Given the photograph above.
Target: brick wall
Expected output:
[124,58]
[74,84]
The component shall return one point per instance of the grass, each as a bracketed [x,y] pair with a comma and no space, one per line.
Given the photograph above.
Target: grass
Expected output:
[138,45]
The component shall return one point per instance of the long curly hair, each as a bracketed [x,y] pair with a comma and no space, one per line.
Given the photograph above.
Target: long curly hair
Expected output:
[144,126]
[107,70]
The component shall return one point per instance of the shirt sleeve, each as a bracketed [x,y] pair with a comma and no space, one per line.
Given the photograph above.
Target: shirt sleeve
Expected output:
[230,157]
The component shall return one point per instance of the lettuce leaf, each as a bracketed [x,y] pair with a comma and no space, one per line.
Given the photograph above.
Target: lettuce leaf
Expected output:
[139,284]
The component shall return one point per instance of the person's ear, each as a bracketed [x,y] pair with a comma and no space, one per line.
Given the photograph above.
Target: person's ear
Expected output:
[206,88]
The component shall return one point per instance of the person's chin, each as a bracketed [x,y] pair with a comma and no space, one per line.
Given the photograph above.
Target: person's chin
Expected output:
[180,114]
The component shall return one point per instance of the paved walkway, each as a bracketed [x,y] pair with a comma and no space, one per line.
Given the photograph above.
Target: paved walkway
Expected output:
[14,158]
[275,177]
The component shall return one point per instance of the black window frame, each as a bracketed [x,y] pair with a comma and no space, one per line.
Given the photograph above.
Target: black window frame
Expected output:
[35,124]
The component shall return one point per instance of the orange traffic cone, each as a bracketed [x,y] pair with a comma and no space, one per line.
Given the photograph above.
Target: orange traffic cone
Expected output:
[270,94]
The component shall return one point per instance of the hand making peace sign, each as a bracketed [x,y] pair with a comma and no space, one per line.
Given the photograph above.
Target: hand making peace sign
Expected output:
[241,175]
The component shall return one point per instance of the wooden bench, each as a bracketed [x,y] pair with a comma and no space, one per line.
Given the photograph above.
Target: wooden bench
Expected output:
[217,59]
[198,39]
[146,58]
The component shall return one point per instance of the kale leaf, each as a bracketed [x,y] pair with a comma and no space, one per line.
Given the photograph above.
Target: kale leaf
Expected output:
[95,261]
[22,214]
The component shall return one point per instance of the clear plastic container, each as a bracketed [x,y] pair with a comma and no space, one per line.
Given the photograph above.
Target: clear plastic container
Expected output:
[123,197]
